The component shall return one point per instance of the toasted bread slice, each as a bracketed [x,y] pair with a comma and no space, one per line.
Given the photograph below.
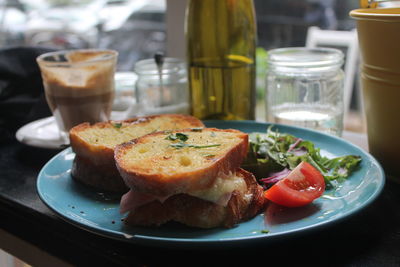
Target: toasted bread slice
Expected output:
[94,146]
[180,161]
[97,141]
[196,212]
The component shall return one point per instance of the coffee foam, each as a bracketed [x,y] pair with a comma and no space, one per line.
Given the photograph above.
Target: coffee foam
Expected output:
[86,56]
[85,80]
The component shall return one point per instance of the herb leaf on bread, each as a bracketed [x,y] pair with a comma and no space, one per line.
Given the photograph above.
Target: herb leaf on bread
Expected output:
[177,136]
[183,138]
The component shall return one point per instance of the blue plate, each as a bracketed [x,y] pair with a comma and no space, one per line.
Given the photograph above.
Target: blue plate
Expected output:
[99,213]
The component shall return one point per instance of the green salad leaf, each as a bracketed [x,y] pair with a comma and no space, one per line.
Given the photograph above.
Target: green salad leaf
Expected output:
[273,151]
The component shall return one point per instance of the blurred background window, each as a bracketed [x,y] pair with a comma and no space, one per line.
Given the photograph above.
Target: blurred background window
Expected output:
[135,28]
[283,23]
[139,28]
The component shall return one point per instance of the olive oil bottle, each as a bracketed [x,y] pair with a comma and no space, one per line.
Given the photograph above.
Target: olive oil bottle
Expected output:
[221,45]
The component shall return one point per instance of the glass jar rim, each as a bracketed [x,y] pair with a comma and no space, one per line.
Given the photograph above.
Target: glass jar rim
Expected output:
[60,58]
[149,66]
[303,57]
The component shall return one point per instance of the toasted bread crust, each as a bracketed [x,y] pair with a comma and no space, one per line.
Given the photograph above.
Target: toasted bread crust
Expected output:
[94,164]
[142,178]
[104,177]
[200,213]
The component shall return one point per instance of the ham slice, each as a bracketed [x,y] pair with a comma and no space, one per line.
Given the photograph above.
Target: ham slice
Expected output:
[133,199]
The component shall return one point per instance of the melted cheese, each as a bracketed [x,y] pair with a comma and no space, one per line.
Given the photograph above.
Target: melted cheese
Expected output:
[220,192]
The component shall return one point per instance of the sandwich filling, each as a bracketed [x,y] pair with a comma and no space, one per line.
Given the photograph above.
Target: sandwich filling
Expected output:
[219,192]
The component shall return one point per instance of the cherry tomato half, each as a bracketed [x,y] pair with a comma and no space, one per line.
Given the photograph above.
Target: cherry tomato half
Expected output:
[302,185]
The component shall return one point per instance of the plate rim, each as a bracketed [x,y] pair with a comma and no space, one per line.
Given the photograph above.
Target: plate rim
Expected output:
[150,240]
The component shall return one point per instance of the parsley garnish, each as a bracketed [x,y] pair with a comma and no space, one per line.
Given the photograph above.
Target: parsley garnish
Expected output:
[178,136]
[183,138]
[117,125]
[180,145]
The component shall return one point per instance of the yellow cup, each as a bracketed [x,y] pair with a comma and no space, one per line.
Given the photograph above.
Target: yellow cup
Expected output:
[379,37]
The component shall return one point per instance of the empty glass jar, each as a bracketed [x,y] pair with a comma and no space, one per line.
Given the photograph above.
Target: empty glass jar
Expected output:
[162,88]
[305,88]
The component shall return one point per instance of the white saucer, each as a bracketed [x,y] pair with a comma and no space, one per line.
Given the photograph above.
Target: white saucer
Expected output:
[42,133]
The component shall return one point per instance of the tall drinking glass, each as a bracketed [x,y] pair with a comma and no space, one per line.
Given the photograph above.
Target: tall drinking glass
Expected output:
[79,86]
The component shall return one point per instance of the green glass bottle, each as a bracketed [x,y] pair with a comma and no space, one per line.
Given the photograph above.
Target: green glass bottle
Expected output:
[221,44]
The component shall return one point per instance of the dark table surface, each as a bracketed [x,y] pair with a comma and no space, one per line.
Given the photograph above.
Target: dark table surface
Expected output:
[368,238]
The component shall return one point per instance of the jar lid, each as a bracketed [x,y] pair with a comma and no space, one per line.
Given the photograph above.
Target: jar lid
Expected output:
[305,58]
[149,66]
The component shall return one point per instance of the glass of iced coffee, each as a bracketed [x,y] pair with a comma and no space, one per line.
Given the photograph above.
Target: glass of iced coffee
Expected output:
[79,86]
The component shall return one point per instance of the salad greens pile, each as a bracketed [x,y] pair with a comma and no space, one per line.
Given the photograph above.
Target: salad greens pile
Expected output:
[272,155]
